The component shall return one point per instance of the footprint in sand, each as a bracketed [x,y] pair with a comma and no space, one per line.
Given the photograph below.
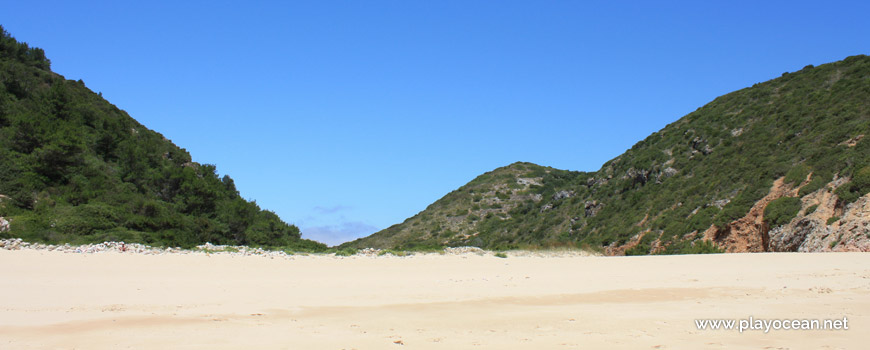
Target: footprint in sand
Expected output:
[821,290]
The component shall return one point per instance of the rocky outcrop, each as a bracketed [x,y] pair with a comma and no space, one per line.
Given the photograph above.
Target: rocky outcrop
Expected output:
[749,233]
[563,194]
[637,176]
[529,181]
[852,142]
[848,234]
[591,208]
[557,196]
[823,224]
[790,239]
[699,145]
[666,173]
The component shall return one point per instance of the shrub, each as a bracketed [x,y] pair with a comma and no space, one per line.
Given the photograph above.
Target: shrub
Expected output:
[797,174]
[393,252]
[701,247]
[643,247]
[815,184]
[837,241]
[856,188]
[346,252]
[86,219]
[811,209]
[781,210]
[862,179]
[845,194]
[740,205]
[305,246]
[833,219]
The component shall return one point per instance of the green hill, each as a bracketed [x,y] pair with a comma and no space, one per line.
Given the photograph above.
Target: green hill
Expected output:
[75,168]
[700,184]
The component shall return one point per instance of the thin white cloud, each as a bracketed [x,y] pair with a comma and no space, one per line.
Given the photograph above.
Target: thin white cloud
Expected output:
[337,234]
[331,210]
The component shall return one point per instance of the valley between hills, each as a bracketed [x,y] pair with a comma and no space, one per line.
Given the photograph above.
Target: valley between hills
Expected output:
[783,165]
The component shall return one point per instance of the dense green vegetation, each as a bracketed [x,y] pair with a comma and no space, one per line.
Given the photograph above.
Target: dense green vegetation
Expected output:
[781,210]
[75,168]
[859,185]
[706,169]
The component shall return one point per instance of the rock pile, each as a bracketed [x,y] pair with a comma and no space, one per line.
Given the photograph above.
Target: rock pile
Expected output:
[136,248]
[464,250]
[369,252]
[208,248]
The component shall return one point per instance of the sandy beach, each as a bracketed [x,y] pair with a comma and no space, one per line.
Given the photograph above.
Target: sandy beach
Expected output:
[55,300]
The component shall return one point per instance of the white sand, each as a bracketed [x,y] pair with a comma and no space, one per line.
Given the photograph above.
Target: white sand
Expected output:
[117,301]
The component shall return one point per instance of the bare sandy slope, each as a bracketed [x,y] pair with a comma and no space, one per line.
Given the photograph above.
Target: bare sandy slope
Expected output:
[116,301]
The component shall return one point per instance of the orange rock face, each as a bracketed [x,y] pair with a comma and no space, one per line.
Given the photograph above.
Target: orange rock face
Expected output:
[749,233]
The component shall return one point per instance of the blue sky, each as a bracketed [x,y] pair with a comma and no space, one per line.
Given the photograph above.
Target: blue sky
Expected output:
[345,117]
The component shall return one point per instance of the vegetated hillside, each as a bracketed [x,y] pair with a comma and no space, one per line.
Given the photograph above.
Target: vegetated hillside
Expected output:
[75,168]
[701,184]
